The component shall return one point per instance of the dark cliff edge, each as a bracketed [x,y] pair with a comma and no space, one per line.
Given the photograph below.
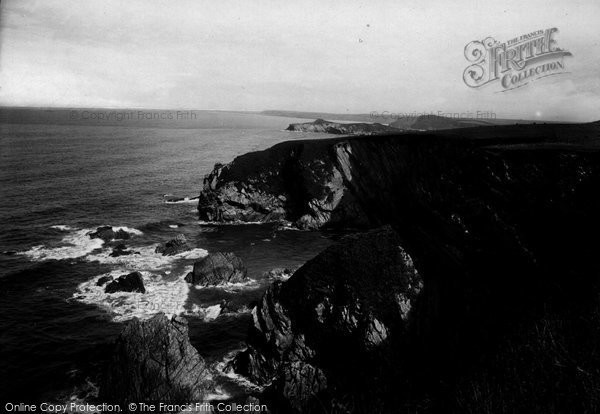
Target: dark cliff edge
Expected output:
[501,223]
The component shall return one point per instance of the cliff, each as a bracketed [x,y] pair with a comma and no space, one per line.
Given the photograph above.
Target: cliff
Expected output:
[353,302]
[501,225]
[359,128]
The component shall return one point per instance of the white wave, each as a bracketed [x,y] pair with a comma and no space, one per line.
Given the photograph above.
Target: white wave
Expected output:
[147,259]
[185,200]
[233,287]
[228,223]
[196,253]
[218,394]
[207,313]
[62,227]
[74,245]
[168,296]
[221,368]
[129,230]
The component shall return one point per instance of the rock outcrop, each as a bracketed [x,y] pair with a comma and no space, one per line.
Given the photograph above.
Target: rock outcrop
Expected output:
[175,246]
[353,302]
[121,250]
[296,181]
[153,361]
[216,269]
[133,282]
[107,233]
[359,128]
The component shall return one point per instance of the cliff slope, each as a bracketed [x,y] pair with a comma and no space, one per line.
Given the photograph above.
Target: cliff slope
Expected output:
[501,224]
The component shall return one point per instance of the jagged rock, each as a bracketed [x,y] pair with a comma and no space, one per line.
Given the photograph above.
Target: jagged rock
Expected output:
[104,280]
[154,361]
[340,306]
[175,246]
[107,234]
[132,282]
[217,268]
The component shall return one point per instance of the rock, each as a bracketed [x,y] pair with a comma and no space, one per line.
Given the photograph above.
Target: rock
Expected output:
[104,280]
[154,361]
[132,282]
[291,182]
[121,250]
[107,234]
[340,306]
[216,269]
[499,220]
[175,246]
[121,235]
[280,273]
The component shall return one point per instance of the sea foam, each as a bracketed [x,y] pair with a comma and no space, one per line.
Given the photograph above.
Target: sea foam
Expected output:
[168,296]
[74,245]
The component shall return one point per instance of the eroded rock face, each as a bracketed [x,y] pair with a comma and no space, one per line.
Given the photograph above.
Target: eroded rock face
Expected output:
[154,361]
[351,302]
[217,268]
[175,246]
[305,185]
[133,282]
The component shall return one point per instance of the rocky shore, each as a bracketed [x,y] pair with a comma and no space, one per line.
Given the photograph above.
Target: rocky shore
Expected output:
[495,219]
[470,284]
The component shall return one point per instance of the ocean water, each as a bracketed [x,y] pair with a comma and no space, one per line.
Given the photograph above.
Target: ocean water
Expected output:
[59,182]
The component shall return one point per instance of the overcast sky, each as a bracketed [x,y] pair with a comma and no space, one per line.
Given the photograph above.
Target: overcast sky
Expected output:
[334,56]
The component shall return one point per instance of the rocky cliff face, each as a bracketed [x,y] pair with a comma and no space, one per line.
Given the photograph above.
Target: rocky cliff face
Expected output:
[358,128]
[498,221]
[305,182]
[153,361]
[340,312]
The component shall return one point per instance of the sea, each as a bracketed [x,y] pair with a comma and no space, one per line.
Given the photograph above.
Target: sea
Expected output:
[61,180]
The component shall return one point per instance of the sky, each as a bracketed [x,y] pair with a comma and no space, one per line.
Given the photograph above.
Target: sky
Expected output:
[307,55]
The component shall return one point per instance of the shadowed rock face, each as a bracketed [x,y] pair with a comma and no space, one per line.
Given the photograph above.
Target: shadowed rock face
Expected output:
[217,268]
[153,361]
[337,314]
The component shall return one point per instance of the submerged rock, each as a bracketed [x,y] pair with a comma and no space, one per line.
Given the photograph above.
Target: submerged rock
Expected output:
[154,361]
[175,246]
[217,268]
[132,282]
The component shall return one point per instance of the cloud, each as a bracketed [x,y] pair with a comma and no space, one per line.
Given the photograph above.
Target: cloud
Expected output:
[306,55]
